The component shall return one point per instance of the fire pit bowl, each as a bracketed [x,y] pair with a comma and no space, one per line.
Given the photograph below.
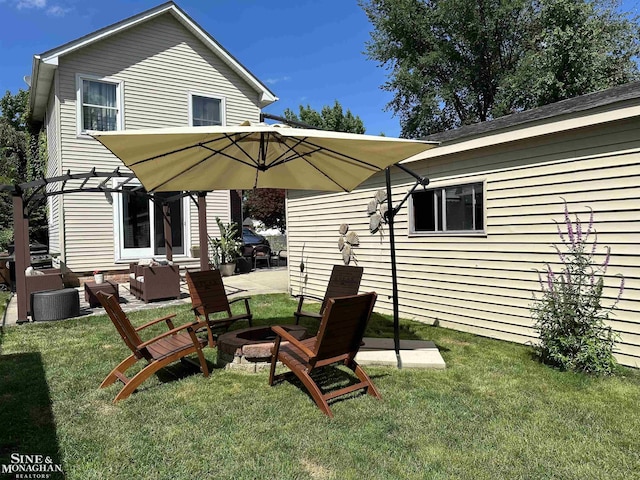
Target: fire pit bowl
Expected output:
[249,349]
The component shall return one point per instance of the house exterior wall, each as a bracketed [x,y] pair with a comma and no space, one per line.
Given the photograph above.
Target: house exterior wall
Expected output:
[159,63]
[483,284]
[53,168]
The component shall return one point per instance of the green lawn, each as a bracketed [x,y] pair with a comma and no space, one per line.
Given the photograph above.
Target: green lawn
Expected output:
[495,412]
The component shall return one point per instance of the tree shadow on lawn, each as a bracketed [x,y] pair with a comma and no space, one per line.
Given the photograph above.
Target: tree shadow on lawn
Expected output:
[28,425]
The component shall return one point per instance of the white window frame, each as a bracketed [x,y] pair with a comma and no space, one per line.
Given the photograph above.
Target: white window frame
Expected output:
[223,105]
[125,255]
[80,77]
[442,186]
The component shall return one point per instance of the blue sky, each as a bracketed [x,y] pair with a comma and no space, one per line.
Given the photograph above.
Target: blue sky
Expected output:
[306,51]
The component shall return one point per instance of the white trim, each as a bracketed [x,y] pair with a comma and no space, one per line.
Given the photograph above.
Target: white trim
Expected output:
[533,129]
[52,58]
[119,253]
[437,233]
[80,132]
[215,96]
[121,256]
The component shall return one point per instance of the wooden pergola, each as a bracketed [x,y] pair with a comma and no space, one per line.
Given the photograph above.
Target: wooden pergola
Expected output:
[28,194]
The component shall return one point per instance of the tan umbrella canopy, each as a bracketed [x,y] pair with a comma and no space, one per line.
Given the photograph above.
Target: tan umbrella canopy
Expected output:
[254,156]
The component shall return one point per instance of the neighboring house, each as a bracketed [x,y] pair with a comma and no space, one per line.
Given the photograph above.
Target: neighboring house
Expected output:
[470,264]
[156,69]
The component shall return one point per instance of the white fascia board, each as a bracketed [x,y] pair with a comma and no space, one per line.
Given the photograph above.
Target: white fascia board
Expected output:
[53,55]
[546,128]
[266,97]
[41,80]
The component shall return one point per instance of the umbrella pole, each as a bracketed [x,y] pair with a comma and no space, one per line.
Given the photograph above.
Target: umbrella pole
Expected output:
[394,272]
[391,214]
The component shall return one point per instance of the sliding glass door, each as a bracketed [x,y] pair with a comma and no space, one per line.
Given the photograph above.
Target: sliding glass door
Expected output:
[139,224]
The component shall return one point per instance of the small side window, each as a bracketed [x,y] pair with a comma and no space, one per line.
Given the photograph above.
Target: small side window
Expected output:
[451,209]
[205,111]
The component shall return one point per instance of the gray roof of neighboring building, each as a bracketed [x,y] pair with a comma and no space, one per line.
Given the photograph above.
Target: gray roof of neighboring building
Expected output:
[589,101]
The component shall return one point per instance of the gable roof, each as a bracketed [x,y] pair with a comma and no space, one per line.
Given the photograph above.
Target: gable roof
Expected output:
[571,106]
[45,64]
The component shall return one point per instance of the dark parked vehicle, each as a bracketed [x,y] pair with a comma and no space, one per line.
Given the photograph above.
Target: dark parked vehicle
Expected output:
[251,238]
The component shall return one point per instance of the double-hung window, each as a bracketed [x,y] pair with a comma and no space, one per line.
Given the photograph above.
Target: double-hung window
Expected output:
[206,110]
[450,209]
[99,104]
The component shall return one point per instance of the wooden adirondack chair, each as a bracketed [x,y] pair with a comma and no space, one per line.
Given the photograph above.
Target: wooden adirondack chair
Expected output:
[344,281]
[338,340]
[160,351]
[209,298]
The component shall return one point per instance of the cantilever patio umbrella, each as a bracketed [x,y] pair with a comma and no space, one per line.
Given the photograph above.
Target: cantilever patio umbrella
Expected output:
[256,156]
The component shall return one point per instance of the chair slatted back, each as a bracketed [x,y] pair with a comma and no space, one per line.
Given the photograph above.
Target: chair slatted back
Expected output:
[207,292]
[343,324]
[344,281]
[121,322]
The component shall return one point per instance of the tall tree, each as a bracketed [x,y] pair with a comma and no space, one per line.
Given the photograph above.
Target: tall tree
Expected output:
[22,158]
[457,62]
[575,47]
[329,118]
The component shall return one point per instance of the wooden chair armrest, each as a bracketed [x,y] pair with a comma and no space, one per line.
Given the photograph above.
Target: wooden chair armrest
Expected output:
[282,333]
[157,320]
[246,303]
[173,331]
[319,299]
[302,313]
[302,297]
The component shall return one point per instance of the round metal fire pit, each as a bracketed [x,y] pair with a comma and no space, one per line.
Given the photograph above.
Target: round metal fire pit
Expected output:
[250,348]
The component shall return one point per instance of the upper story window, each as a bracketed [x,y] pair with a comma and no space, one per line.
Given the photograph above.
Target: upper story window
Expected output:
[451,209]
[206,110]
[99,104]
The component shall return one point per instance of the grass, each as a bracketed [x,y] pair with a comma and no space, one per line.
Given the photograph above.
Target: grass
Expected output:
[494,413]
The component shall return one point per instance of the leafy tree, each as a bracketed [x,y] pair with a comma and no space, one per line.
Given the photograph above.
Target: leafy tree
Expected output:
[329,118]
[457,62]
[575,47]
[22,158]
[266,205]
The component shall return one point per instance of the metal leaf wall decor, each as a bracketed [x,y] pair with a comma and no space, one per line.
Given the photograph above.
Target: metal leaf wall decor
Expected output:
[376,209]
[347,241]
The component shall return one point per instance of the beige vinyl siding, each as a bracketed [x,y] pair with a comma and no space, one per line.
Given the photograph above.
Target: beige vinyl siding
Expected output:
[158,62]
[53,168]
[484,283]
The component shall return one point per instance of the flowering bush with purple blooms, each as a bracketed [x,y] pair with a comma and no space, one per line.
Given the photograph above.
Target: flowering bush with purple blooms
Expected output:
[569,315]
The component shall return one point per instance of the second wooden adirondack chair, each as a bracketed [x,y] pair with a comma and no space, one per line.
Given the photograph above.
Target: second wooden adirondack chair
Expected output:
[209,298]
[344,280]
